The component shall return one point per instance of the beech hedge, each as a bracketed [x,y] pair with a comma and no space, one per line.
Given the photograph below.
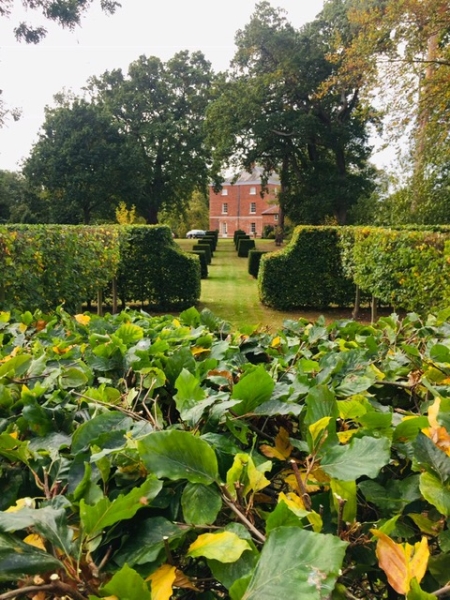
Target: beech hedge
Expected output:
[44,266]
[308,273]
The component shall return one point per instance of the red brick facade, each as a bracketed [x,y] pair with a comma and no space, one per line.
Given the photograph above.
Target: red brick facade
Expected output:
[239,205]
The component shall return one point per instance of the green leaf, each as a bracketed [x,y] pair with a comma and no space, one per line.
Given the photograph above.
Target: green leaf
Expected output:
[344,492]
[146,541]
[225,546]
[362,457]
[432,458]
[49,522]
[127,584]
[106,512]
[16,366]
[201,504]
[296,563]
[72,378]
[18,559]
[179,455]
[106,423]
[130,333]
[253,389]
[435,492]
[417,593]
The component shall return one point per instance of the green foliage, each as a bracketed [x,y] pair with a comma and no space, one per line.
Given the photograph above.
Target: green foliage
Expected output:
[45,266]
[254,258]
[161,107]
[144,456]
[203,263]
[404,268]
[307,273]
[206,249]
[245,244]
[154,270]
[81,164]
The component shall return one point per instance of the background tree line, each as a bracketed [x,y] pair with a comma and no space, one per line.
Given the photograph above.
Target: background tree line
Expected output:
[304,103]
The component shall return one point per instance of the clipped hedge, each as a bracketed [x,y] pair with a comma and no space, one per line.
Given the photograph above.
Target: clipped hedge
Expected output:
[43,266]
[206,249]
[406,268]
[254,259]
[244,247]
[153,270]
[207,242]
[307,273]
[203,264]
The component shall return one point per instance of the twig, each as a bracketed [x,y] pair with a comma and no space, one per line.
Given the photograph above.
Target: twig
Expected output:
[167,550]
[441,593]
[303,493]
[57,587]
[231,504]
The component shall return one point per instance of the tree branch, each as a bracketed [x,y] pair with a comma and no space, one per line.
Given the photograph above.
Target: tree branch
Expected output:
[58,588]
[231,504]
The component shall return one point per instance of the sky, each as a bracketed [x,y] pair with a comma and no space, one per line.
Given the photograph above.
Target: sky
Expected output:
[30,75]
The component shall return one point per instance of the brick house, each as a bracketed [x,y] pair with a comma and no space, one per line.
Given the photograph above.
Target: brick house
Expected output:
[239,205]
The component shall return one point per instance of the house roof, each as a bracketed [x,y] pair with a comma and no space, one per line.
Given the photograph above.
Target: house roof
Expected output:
[246,178]
[272,210]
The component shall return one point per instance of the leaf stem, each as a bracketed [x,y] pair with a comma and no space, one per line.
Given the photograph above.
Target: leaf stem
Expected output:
[303,493]
[231,504]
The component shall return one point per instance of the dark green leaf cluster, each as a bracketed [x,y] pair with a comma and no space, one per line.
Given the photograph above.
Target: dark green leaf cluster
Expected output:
[144,453]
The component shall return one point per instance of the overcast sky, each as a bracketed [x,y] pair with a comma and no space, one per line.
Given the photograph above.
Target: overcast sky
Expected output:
[30,75]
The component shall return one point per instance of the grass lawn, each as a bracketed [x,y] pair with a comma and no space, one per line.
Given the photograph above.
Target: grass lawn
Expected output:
[232,294]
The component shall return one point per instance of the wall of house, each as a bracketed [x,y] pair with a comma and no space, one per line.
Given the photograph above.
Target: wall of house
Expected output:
[240,206]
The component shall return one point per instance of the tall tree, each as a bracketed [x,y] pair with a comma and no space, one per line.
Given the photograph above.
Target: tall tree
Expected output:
[80,163]
[160,107]
[273,110]
[401,50]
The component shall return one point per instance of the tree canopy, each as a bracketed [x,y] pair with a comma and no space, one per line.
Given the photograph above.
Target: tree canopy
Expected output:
[80,163]
[273,110]
[160,108]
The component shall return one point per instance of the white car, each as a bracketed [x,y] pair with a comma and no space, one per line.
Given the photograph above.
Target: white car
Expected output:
[196,233]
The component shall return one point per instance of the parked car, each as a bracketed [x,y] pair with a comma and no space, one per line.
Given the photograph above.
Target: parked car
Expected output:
[195,233]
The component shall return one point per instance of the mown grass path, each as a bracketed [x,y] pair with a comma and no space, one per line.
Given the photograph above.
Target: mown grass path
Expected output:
[232,294]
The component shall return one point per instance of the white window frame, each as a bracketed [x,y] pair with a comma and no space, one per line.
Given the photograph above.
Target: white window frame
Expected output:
[252,227]
[224,208]
[224,191]
[275,218]
[253,191]
[224,228]
[253,208]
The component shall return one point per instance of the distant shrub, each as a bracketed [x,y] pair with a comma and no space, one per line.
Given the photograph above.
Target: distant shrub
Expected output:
[254,259]
[245,245]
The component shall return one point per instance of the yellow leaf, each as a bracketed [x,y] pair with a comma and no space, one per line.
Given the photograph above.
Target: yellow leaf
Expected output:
[196,350]
[401,562]
[162,581]
[318,427]
[282,449]
[176,323]
[346,436]
[275,342]
[293,502]
[436,432]
[21,503]
[14,434]
[82,319]
[35,540]
[225,546]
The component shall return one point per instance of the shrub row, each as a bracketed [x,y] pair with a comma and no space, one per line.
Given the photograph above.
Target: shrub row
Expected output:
[406,268]
[307,273]
[43,266]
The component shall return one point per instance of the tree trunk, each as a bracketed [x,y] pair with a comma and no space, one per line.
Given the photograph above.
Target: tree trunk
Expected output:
[151,215]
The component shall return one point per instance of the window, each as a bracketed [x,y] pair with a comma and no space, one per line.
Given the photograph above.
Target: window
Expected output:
[252,207]
[252,227]
[224,228]
[225,208]
[252,191]
[224,191]
[275,218]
